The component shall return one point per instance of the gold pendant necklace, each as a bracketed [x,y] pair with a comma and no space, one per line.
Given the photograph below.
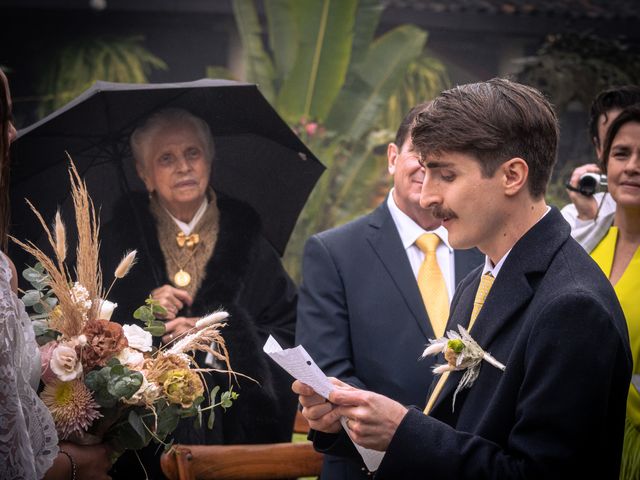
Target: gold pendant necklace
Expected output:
[182,278]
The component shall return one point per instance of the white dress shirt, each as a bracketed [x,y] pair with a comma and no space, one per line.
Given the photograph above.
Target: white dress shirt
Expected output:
[187,228]
[410,231]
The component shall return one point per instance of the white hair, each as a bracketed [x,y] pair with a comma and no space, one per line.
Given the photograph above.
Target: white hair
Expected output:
[164,118]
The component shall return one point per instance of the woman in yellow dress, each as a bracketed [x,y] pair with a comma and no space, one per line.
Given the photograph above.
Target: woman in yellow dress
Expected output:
[618,254]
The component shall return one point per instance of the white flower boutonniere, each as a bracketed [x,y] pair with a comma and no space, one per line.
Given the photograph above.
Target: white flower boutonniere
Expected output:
[461,353]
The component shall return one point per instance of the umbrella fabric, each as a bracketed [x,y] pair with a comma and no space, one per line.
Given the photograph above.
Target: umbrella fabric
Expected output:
[258,159]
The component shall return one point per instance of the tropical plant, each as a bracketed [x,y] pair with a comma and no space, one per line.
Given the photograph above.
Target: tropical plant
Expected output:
[577,66]
[343,90]
[76,64]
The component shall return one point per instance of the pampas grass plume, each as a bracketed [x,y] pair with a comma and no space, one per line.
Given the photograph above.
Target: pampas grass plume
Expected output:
[125,264]
[212,318]
[61,238]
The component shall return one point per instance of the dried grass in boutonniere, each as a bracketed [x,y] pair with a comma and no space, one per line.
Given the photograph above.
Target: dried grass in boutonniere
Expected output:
[461,353]
[105,381]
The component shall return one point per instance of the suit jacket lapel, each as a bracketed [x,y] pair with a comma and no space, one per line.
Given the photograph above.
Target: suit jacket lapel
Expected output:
[511,292]
[385,241]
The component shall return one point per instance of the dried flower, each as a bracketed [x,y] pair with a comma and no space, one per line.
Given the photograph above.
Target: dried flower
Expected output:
[60,238]
[138,338]
[104,340]
[71,405]
[106,309]
[46,351]
[182,387]
[125,264]
[65,362]
[211,319]
[131,357]
[163,363]
[147,394]
[461,352]
[80,297]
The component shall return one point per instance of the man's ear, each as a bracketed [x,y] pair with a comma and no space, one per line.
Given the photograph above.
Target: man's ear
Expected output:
[515,173]
[392,155]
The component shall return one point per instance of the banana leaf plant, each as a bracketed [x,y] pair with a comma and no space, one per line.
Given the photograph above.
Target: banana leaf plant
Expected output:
[337,84]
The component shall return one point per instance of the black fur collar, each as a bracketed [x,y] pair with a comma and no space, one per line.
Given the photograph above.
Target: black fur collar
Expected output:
[238,234]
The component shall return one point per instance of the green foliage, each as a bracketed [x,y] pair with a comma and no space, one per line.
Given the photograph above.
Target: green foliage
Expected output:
[113,382]
[425,78]
[41,300]
[335,84]
[148,313]
[75,65]
[322,58]
[576,66]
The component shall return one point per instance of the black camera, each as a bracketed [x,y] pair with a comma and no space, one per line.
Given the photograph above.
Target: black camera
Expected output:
[589,183]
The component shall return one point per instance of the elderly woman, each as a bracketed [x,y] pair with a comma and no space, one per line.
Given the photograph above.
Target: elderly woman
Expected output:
[198,252]
[618,254]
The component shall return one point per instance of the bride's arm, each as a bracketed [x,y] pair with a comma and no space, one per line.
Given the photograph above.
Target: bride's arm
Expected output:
[91,462]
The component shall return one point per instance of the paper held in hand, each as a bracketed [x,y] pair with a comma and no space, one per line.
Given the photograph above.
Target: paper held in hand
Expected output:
[299,364]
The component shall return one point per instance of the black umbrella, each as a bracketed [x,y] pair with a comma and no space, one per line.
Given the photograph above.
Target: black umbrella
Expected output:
[259,159]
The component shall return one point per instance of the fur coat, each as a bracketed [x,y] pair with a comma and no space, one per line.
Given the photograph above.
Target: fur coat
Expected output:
[245,277]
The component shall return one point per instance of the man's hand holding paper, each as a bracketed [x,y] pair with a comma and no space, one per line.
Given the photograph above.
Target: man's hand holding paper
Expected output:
[321,414]
[371,419]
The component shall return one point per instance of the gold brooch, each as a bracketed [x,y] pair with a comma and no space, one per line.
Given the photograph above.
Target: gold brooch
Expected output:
[188,240]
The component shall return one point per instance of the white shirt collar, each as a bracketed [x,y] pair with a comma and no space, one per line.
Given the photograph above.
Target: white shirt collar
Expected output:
[494,270]
[187,228]
[408,229]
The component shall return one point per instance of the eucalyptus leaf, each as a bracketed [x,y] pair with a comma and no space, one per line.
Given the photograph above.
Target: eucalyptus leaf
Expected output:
[213,394]
[39,308]
[51,302]
[156,331]
[168,419]
[31,298]
[212,419]
[158,309]
[136,423]
[144,314]
[112,362]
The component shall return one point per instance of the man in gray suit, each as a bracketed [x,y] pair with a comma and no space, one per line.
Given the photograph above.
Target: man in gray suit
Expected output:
[359,291]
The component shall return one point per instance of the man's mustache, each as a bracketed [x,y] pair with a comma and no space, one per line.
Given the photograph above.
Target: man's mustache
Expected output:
[441,213]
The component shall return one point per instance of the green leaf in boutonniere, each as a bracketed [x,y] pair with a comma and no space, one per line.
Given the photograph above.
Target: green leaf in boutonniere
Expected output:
[461,353]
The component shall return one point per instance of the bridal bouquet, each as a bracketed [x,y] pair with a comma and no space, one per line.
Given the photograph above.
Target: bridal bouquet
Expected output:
[104,381]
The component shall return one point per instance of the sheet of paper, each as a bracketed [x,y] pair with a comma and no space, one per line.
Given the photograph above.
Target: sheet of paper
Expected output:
[299,364]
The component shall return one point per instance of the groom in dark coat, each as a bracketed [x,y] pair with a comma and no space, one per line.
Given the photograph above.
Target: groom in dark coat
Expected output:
[359,289]
[546,313]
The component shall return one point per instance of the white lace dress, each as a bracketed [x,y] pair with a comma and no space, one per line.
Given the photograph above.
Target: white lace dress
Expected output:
[28,440]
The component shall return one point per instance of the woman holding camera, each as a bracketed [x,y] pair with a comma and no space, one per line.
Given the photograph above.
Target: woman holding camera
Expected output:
[618,254]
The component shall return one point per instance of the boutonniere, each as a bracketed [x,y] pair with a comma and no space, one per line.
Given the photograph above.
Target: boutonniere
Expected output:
[461,352]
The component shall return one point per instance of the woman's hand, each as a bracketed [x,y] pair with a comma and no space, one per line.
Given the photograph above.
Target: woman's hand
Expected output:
[92,462]
[178,326]
[172,299]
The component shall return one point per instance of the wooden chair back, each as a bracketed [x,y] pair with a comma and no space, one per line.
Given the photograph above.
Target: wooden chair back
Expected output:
[244,462]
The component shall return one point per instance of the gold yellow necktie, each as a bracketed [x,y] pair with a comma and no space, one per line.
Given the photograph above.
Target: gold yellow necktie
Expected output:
[486,281]
[433,288]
